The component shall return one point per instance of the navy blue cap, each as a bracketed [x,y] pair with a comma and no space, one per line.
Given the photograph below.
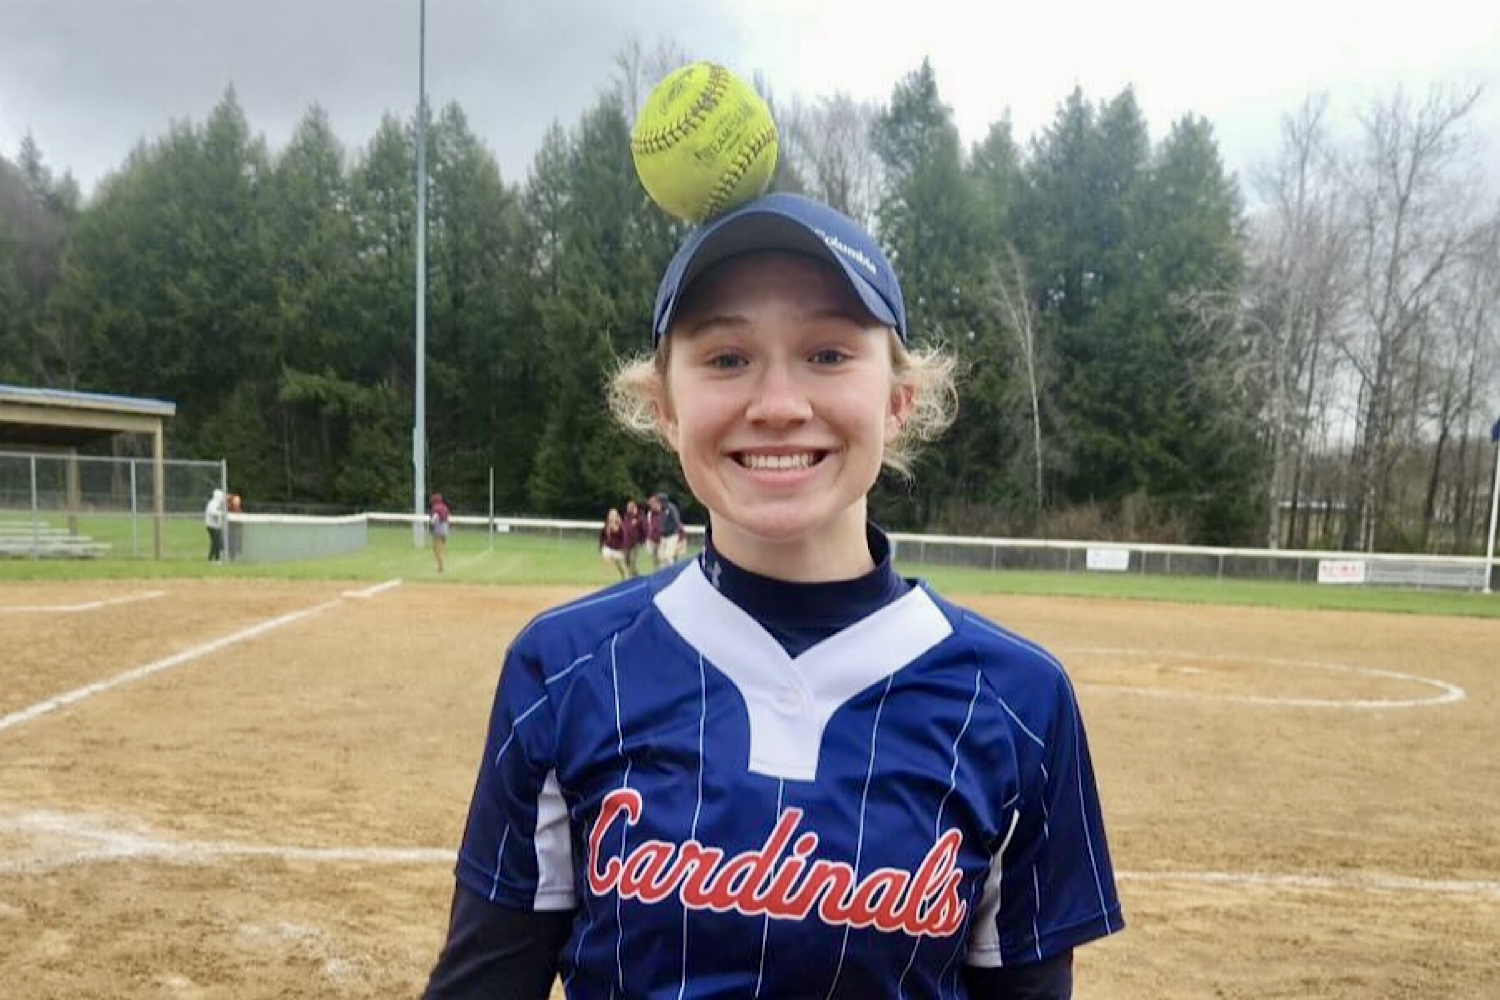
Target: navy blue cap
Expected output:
[796,224]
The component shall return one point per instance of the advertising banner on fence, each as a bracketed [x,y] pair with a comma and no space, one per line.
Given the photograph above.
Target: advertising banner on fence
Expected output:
[1341,571]
[1109,560]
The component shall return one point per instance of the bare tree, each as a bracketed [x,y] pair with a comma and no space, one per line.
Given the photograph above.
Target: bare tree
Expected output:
[1295,298]
[828,143]
[1469,323]
[1408,180]
[638,71]
[1018,313]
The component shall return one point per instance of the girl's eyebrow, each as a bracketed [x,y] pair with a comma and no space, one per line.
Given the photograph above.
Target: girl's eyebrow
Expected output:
[839,312]
[708,321]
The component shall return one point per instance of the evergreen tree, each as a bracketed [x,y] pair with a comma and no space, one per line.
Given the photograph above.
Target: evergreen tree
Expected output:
[480,359]
[272,299]
[598,247]
[12,333]
[933,222]
[165,284]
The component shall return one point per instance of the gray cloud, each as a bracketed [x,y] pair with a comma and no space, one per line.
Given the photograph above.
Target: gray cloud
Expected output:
[91,77]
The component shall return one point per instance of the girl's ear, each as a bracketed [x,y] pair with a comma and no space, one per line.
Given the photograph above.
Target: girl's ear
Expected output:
[903,401]
[666,418]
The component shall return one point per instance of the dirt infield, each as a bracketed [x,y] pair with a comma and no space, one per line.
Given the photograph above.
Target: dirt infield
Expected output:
[254,789]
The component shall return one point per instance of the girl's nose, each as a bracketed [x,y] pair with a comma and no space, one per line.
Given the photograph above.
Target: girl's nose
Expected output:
[779,398]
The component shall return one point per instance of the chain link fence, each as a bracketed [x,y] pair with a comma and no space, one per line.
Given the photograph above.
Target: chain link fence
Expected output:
[80,506]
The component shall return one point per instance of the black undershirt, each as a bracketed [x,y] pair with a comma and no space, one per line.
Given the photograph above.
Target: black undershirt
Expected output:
[801,615]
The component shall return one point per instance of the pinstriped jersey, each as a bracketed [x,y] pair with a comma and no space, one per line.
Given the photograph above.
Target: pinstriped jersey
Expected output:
[911,794]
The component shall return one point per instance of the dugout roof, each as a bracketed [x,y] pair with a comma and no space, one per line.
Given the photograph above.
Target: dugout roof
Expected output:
[59,419]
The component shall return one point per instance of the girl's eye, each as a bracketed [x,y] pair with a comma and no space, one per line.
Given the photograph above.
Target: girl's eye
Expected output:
[830,356]
[725,361]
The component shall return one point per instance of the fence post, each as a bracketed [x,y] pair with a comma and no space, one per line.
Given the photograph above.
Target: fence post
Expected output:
[36,532]
[158,490]
[73,489]
[135,548]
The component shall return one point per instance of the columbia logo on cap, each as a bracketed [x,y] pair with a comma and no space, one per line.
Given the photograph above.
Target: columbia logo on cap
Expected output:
[848,251]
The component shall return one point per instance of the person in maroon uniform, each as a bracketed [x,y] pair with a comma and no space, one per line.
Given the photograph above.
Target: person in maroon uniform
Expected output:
[437,518]
[635,537]
[652,519]
[612,542]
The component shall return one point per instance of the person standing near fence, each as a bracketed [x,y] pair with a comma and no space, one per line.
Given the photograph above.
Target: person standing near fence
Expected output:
[779,769]
[438,518]
[214,515]
[651,518]
[614,541]
[232,529]
[673,543]
[635,537]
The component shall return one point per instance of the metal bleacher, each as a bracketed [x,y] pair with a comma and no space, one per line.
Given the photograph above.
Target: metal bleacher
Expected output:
[1425,575]
[39,540]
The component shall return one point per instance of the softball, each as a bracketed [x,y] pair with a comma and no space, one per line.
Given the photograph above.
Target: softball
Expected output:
[704,142]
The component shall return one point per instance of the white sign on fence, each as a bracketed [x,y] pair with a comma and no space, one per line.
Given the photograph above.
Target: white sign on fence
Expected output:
[1108,560]
[1341,571]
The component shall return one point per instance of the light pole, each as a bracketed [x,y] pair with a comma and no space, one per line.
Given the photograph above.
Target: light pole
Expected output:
[1489,557]
[419,423]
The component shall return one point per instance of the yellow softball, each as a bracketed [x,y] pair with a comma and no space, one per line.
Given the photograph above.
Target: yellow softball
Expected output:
[704,142]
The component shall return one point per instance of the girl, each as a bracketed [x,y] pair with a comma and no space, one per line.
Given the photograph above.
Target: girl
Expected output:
[635,537]
[780,769]
[438,519]
[613,542]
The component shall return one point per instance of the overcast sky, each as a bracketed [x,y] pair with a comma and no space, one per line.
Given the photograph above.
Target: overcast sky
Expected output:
[89,78]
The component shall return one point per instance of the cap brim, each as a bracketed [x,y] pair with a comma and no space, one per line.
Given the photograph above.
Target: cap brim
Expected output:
[764,230]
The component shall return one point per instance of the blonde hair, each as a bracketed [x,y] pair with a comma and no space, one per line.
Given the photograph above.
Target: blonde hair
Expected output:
[638,385]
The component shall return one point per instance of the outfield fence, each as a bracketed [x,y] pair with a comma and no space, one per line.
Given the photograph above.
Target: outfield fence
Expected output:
[106,504]
[1332,568]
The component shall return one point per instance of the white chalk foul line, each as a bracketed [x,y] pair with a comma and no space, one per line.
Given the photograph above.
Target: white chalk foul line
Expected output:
[1447,693]
[372,591]
[1368,881]
[175,660]
[16,609]
[94,842]
[75,839]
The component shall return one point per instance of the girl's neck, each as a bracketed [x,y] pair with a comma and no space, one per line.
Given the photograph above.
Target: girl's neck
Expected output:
[839,551]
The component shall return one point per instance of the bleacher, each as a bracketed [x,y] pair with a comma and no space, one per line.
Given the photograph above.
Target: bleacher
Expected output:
[1427,574]
[39,540]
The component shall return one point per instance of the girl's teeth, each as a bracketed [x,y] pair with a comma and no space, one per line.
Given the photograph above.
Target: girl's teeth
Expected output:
[778,461]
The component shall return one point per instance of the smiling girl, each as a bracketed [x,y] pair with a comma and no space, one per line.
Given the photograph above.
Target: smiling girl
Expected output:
[780,769]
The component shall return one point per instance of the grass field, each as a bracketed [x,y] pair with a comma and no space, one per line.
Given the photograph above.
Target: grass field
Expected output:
[533,560]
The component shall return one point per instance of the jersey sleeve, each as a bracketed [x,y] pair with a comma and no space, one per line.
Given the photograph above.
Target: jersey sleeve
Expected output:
[516,849]
[1051,885]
